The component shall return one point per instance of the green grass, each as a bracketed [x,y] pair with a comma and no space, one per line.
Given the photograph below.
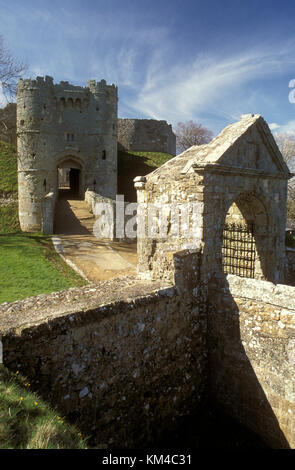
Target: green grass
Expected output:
[30,266]
[151,159]
[8,169]
[132,164]
[8,187]
[9,222]
[27,422]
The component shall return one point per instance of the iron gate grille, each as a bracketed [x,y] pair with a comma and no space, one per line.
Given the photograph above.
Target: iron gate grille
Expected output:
[238,250]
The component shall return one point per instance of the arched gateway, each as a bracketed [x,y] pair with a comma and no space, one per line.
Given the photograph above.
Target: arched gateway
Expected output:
[70,177]
[244,246]
[232,193]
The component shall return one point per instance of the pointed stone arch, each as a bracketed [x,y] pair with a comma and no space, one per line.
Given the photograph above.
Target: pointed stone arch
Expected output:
[72,169]
[246,231]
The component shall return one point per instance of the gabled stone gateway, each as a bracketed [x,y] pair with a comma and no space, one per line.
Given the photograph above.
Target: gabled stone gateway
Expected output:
[244,145]
[239,176]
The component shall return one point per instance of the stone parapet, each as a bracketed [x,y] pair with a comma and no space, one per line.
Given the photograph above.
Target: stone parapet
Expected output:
[124,359]
[251,331]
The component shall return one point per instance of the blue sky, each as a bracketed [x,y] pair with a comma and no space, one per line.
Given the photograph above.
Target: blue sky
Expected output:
[209,61]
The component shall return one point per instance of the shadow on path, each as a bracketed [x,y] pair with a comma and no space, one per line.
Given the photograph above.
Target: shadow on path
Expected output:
[66,221]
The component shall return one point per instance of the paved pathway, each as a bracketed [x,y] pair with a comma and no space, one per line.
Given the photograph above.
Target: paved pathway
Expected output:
[95,259]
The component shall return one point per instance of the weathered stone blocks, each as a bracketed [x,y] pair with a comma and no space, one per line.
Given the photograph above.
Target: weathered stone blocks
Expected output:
[126,369]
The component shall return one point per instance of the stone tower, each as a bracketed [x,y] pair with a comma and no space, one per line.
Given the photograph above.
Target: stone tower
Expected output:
[62,126]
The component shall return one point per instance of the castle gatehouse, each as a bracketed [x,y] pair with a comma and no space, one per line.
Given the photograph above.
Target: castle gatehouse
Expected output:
[66,138]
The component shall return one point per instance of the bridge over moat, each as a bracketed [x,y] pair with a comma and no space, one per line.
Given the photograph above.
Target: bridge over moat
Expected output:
[96,259]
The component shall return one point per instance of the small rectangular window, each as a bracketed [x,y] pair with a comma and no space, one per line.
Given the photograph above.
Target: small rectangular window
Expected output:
[70,137]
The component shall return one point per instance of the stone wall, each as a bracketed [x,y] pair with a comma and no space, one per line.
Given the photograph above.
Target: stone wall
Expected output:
[147,135]
[126,358]
[48,209]
[251,344]
[105,209]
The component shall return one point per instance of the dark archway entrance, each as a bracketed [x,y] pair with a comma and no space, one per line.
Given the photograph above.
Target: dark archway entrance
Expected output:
[74,181]
[70,186]
[69,179]
[69,183]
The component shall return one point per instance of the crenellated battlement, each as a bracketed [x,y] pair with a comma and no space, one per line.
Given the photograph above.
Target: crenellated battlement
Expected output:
[102,87]
[28,83]
[41,83]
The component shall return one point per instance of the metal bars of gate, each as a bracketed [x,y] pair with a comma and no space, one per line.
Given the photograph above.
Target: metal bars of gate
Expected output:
[238,250]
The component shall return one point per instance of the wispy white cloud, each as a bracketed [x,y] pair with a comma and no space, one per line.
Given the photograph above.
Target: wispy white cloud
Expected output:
[273,126]
[287,128]
[153,84]
[211,84]
[101,46]
[143,58]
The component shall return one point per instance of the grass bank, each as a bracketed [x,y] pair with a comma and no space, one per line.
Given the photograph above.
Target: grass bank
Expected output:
[8,189]
[9,218]
[132,164]
[27,422]
[30,266]
[8,169]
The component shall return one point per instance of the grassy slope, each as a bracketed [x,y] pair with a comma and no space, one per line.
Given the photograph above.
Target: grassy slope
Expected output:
[8,188]
[9,218]
[29,264]
[8,169]
[132,164]
[27,422]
